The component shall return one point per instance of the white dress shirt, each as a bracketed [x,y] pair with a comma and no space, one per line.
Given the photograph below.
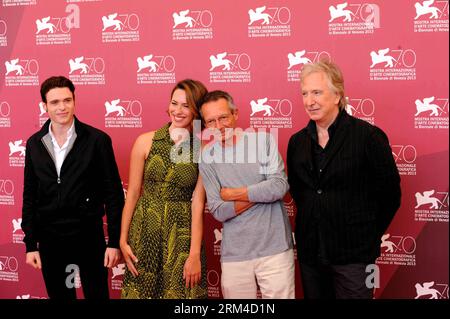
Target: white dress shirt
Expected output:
[60,152]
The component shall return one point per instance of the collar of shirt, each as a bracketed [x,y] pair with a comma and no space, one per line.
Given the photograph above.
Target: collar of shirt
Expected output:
[312,129]
[60,152]
[69,135]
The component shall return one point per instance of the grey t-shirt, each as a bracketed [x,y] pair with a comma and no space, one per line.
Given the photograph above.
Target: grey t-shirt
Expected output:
[254,161]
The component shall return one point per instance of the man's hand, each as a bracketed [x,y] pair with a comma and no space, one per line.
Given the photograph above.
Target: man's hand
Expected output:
[234,194]
[112,257]
[239,196]
[33,259]
[240,207]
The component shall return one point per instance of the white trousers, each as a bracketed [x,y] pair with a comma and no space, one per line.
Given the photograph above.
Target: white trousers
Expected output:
[275,276]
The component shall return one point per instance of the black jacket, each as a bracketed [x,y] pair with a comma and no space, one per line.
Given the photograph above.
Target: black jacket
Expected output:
[353,200]
[89,184]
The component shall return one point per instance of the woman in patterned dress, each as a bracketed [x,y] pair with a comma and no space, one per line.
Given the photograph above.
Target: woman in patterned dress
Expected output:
[162,220]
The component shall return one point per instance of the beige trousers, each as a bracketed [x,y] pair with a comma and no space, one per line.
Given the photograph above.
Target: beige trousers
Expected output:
[275,276]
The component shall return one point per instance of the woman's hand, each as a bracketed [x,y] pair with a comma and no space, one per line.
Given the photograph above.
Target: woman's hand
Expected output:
[130,258]
[192,270]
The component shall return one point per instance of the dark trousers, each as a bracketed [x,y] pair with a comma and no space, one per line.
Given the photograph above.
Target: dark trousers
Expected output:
[335,281]
[61,256]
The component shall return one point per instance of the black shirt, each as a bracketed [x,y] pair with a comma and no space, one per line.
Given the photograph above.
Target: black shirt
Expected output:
[317,150]
[319,156]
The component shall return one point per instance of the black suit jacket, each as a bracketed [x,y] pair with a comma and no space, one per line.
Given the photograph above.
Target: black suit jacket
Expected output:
[89,184]
[353,200]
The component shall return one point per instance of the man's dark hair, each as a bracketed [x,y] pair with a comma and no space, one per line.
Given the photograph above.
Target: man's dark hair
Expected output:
[56,82]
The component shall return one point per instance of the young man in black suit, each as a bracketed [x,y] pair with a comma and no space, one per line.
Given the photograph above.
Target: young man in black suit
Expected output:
[71,178]
[346,186]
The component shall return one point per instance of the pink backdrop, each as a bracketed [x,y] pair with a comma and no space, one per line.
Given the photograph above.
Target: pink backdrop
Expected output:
[394,55]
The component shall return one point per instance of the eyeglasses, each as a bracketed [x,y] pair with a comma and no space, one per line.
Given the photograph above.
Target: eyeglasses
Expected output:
[223,119]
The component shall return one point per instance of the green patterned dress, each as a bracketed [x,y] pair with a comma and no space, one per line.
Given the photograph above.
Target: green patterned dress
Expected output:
[160,230]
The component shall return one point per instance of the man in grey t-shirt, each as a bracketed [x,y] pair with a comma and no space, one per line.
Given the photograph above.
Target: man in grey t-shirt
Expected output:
[245,182]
